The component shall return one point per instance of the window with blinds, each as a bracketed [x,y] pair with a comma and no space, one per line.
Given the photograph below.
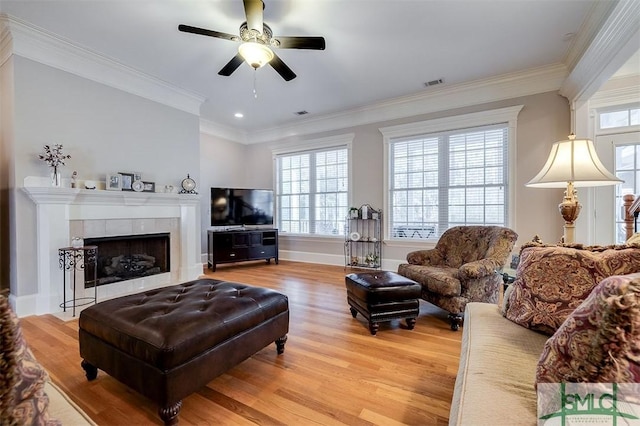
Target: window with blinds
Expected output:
[445,179]
[312,191]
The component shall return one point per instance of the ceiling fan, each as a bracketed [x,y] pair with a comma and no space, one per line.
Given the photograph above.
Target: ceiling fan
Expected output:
[257,41]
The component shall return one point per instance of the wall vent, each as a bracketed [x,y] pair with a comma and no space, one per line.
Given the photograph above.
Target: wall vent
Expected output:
[434,82]
[303,112]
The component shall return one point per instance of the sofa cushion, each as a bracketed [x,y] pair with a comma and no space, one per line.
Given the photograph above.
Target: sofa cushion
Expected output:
[600,341]
[30,402]
[551,281]
[494,384]
[440,280]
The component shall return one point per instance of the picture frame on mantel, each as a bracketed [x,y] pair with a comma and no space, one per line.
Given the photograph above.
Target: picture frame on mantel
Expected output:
[127,180]
[149,186]
[113,182]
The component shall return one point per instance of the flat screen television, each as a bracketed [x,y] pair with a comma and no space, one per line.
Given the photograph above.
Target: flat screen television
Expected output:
[234,207]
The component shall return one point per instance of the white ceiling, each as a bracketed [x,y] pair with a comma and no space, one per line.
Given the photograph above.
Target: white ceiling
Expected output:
[376,49]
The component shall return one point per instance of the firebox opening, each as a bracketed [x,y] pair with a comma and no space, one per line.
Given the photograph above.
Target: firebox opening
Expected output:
[128,257]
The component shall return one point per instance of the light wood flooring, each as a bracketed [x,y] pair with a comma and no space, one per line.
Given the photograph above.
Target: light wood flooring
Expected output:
[332,372]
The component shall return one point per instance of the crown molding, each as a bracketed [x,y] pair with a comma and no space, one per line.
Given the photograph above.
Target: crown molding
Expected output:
[6,43]
[621,91]
[211,128]
[506,86]
[597,14]
[40,45]
[615,42]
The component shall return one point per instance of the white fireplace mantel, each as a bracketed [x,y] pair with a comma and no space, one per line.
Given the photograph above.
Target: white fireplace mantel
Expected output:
[58,208]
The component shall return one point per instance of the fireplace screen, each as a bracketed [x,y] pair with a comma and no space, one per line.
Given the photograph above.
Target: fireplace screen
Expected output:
[127,257]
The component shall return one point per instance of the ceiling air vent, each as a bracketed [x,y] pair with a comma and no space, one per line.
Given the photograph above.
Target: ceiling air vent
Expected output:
[434,82]
[303,112]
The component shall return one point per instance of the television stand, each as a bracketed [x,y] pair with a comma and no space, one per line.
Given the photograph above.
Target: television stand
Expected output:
[241,245]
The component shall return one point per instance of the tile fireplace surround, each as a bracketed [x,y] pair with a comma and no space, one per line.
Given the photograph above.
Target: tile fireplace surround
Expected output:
[64,213]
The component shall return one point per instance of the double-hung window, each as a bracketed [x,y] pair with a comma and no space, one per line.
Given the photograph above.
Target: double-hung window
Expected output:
[448,177]
[312,190]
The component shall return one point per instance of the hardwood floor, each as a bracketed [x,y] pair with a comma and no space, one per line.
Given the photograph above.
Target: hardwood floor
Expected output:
[332,371]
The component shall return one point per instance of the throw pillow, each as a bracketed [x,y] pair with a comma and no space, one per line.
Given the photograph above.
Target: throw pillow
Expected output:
[600,341]
[7,362]
[28,402]
[551,281]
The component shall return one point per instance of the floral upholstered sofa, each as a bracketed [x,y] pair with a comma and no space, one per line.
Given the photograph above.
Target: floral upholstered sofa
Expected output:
[27,396]
[572,315]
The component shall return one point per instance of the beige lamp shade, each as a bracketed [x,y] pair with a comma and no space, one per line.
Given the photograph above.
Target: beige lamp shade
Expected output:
[573,160]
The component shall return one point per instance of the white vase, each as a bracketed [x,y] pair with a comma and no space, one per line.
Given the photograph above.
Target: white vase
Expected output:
[56,178]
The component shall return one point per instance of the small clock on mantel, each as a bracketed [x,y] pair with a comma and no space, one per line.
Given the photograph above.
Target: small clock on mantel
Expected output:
[188,186]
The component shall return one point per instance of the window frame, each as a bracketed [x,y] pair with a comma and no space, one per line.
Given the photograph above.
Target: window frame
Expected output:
[616,108]
[508,115]
[344,141]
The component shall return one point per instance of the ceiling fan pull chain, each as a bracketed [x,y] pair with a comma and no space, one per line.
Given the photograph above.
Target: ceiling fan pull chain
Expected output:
[255,84]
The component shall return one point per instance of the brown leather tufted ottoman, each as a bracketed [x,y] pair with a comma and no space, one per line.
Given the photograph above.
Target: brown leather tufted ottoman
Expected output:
[169,342]
[383,296]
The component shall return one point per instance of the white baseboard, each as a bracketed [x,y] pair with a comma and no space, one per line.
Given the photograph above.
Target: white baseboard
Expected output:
[323,259]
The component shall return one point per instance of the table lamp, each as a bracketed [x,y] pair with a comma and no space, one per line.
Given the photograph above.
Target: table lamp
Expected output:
[572,163]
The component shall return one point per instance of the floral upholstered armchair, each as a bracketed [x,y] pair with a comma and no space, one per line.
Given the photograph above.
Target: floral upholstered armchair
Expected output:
[461,268]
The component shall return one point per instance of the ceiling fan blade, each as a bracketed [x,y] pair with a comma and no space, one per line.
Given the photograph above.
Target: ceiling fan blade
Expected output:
[231,66]
[282,68]
[210,33]
[253,11]
[314,43]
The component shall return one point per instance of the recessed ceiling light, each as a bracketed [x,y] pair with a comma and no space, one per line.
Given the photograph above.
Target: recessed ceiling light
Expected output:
[238,115]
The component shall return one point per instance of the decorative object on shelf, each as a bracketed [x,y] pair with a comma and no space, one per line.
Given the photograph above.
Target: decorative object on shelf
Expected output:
[354,236]
[149,186]
[89,184]
[188,186]
[54,157]
[127,181]
[353,213]
[365,211]
[77,242]
[372,260]
[137,186]
[74,179]
[114,182]
[572,163]
[168,188]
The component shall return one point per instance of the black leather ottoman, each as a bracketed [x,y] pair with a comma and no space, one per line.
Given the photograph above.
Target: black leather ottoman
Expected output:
[383,296]
[167,343]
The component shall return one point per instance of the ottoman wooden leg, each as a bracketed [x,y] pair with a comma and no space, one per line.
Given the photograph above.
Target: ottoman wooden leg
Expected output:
[90,371]
[280,344]
[373,327]
[169,415]
[411,323]
[354,313]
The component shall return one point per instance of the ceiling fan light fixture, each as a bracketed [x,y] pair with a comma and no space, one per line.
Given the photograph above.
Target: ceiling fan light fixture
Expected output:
[256,54]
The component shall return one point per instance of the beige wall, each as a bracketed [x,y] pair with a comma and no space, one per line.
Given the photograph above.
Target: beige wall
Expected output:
[104,129]
[223,163]
[544,119]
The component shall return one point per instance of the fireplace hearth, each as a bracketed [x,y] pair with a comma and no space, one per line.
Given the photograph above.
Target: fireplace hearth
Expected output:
[127,257]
